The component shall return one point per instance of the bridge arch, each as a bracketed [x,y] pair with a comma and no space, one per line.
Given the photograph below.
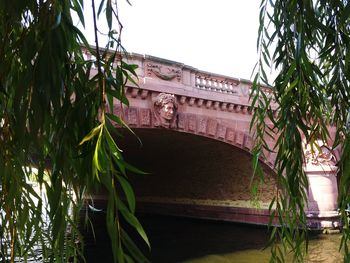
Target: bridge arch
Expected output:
[195,176]
[226,131]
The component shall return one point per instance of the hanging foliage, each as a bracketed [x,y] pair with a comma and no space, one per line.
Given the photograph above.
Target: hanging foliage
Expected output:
[54,131]
[307,44]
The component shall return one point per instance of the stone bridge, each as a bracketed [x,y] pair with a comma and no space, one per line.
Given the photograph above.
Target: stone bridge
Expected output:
[196,144]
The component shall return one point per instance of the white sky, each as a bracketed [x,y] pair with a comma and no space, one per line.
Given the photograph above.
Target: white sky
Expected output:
[216,36]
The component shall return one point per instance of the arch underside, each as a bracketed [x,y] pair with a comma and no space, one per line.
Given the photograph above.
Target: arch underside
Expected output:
[195,176]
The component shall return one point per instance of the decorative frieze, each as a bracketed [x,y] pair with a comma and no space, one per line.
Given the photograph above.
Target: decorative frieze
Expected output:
[163,72]
[181,121]
[202,125]
[230,135]
[145,117]
[239,138]
[221,133]
[117,110]
[132,115]
[191,123]
[248,143]
[212,124]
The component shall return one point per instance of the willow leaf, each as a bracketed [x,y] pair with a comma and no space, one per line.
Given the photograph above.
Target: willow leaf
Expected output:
[134,222]
[129,193]
[92,134]
[131,246]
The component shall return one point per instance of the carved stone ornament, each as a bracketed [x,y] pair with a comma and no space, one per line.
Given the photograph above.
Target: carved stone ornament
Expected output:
[165,110]
[169,73]
[319,154]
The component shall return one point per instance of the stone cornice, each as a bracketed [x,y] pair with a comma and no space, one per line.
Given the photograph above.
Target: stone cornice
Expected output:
[195,101]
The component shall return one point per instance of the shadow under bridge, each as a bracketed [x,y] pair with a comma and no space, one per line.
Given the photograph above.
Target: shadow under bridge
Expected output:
[195,176]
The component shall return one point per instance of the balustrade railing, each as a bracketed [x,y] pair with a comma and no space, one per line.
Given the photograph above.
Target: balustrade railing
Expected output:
[216,84]
[201,80]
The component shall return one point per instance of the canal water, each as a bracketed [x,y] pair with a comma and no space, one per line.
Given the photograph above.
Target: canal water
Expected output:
[176,239]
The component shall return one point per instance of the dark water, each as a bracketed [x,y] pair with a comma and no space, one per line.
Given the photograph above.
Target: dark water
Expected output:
[193,241]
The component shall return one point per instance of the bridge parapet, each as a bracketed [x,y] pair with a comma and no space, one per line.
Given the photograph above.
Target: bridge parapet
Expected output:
[215,90]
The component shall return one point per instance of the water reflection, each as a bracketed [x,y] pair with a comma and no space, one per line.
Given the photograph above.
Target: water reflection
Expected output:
[322,249]
[325,248]
[195,241]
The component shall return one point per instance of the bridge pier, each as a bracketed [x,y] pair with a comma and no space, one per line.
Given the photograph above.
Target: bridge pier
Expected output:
[322,209]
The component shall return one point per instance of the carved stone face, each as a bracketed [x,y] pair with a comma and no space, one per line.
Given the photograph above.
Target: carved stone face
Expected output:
[167,111]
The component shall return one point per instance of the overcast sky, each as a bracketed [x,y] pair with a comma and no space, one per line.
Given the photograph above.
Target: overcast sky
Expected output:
[216,36]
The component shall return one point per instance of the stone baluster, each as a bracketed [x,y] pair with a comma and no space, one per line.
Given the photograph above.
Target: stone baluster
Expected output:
[230,88]
[201,82]
[214,86]
[219,85]
[224,86]
[207,84]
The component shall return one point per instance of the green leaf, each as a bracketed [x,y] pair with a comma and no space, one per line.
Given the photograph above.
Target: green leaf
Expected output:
[137,254]
[133,169]
[99,158]
[119,121]
[78,8]
[129,193]
[100,8]
[58,20]
[134,222]
[92,134]
[109,11]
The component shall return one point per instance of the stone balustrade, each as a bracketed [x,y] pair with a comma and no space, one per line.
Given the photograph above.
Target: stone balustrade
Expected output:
[218,84]
[184,79]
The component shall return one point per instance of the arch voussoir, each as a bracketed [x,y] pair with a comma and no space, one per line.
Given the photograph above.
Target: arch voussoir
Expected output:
[201,125]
